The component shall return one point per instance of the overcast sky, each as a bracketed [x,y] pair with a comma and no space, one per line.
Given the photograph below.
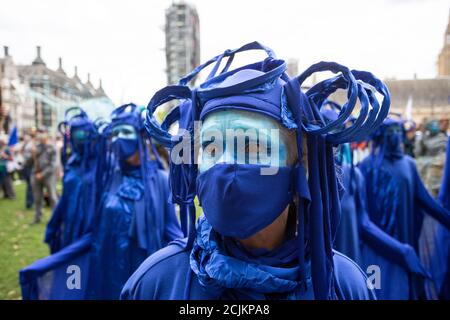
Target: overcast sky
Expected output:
[123,41]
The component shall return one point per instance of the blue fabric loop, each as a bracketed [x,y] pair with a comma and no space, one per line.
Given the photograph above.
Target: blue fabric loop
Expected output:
[228,53]
[352,94]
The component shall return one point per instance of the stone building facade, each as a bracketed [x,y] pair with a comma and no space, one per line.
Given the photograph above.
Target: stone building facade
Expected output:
[34,96]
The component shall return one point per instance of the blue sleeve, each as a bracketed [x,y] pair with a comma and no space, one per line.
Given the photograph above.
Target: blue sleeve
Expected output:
[351,281]
[160,276]
[427,203]
[382,243]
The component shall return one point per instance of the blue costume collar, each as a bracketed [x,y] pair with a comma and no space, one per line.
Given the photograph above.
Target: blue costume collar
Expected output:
[218,271]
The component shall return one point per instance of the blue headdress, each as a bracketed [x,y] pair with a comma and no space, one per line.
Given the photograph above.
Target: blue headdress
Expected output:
[271,92]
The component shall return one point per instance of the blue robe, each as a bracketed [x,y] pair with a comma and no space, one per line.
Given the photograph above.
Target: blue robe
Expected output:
[398,210]
[74,211]
[121,240]
[116,246]
[167,275]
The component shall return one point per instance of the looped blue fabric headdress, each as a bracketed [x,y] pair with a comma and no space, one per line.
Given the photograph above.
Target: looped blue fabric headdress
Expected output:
[265,88]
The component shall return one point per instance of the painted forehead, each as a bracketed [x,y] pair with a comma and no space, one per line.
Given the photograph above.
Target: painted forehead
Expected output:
[237,119]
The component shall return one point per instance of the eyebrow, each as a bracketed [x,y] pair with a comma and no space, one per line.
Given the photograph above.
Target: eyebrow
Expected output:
[215,125]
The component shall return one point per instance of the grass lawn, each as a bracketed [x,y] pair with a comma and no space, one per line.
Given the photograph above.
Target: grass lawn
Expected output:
[20,243]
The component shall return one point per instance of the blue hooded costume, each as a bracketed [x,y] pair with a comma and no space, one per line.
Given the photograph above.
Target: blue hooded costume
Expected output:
[74,211]
[134,219]
[210,263]
[397,200]
[355,227]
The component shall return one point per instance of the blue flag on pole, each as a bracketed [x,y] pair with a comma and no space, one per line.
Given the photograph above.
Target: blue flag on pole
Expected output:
[13,137]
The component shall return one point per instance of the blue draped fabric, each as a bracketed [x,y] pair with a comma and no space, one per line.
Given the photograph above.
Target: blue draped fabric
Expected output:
[167,275]
[133,220]
[73,214]
[74,211]
[358,234]
[121,239]
[48,278]
[403,224]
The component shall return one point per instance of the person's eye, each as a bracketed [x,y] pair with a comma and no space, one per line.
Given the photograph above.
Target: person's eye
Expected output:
[210,150]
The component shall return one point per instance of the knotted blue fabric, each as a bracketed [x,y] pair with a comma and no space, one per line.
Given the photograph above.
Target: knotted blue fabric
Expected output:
[245,278]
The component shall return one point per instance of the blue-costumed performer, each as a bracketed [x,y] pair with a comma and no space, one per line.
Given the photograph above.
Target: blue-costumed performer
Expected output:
[355,227]
[397,201]
[73,214]
[135,217]
[270,202]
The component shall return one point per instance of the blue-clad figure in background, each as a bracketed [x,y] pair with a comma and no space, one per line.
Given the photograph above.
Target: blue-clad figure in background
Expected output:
[135,217]
[73,214]
[397,201]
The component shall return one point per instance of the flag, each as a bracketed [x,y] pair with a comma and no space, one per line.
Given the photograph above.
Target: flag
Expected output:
[13,137]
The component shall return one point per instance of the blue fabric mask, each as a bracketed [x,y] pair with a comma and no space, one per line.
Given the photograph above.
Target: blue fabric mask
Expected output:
[125,148]
[388,139]
[394,145]
[234,197]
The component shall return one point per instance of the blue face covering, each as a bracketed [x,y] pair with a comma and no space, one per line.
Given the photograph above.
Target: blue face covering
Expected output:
[125,148]
[234,197]
[393,141]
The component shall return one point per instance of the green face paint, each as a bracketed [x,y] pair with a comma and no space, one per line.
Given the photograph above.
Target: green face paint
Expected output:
[80,135]
[240,137]
[124,131]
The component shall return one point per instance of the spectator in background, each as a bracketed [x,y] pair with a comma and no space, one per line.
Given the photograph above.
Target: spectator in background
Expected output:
[5,176]
[43,162]
[28,141]
[444,125]
[410,138]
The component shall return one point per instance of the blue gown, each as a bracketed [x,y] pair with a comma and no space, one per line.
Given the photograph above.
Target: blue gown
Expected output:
[398,210]
[73,213]
[118,243]
[123,236]
[46,279]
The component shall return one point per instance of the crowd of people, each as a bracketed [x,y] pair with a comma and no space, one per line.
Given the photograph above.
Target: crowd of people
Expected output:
[33,159]
[143,220]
